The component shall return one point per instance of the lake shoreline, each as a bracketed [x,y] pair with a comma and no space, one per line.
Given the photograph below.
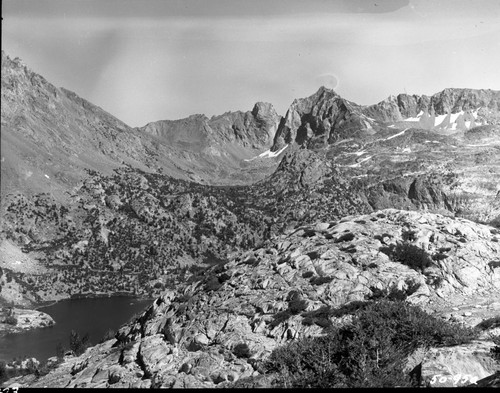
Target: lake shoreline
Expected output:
[38,312]
[90,296]
[94,315]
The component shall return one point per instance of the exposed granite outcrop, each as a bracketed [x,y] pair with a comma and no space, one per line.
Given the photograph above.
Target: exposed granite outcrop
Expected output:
[217,328]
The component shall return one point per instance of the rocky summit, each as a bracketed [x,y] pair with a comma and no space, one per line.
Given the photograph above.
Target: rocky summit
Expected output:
[257,235]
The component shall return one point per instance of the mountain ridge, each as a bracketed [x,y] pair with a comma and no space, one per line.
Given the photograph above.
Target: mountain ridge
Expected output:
[36,115]
[325,117]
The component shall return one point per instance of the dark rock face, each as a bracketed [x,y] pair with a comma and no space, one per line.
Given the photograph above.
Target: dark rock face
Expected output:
[301,168]
[320,119]
[456,100]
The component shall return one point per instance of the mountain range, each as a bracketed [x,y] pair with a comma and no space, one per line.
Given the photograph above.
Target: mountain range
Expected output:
[234,220]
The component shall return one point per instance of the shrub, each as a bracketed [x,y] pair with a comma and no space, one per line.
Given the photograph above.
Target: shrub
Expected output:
[60,350]
[490,323]
[11,320]
[241,350]
[495,351]
[295,302]
[3,371]
[212,284]
[78,345]
[371,351]
[109,335]
[412,256]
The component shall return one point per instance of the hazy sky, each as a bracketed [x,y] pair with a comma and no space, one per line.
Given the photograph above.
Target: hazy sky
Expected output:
[148,60]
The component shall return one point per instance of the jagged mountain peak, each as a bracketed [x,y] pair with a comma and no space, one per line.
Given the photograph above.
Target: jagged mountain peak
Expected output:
[325,117]
[325,91]
[16,62]
[322,94]
[319,120]
[264,109]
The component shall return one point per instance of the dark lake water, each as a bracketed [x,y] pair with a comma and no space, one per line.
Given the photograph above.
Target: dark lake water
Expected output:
[92,316]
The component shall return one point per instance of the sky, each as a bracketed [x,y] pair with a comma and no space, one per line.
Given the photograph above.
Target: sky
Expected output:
[149,60]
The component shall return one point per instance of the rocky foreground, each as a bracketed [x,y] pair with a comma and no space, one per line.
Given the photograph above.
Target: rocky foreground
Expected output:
[215,329]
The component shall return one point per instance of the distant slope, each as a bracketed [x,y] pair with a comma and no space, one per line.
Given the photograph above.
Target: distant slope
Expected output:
[51,137]
[221,147]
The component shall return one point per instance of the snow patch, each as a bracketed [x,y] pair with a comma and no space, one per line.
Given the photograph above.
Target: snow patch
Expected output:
[359,163]
[395,135]
[268,154]
[406,150]
[415,118]
[439,119]
[358,153]
[47,176]
[485,144]
[454,116]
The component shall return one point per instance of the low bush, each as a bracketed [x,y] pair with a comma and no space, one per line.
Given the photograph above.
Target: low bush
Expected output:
[371,351]
[109,335]
[295,302]
[11,320]
[495,351]
[78,345]
[490,323]
[3,371]
[60,351]
[241,350]
[412,256]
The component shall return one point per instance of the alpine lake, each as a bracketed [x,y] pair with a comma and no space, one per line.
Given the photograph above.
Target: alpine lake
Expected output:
[92,316]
